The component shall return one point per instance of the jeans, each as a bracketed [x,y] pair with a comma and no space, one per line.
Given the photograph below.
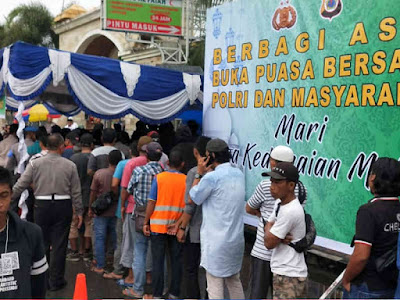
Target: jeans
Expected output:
[102,226]
[118,268]
[128,241]
[139,261]
[261,278]
[397,293]
[362,292]
[159,245]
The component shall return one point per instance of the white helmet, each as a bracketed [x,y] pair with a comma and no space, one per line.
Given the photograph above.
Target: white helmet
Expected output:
[282,153]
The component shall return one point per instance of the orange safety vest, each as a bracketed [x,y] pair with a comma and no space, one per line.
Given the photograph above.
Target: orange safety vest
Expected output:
[170,201]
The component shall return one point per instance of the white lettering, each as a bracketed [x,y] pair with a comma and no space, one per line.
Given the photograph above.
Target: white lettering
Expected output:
[392,227]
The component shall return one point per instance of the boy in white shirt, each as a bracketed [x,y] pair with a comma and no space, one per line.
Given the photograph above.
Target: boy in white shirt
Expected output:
[288,266]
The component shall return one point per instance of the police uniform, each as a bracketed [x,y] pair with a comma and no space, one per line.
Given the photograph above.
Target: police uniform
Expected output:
[57,189]
[14,157]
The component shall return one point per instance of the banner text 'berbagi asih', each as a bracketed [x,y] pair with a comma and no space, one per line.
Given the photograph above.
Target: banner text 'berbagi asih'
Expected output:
[321,77]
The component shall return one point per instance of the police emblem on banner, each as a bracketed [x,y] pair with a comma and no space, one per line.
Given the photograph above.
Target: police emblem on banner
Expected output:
[285,16]
[331,8]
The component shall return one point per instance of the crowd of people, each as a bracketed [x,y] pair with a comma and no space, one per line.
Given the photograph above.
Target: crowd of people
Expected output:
[164,204]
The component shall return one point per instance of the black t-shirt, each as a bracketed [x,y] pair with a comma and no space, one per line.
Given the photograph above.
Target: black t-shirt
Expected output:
[377,225]
[81,161]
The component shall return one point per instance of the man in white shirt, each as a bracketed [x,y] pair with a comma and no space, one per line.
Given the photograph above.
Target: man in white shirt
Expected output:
[261,204]
[288,266]
[71,124]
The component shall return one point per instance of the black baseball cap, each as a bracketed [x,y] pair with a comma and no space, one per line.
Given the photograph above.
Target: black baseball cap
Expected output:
[284,171]
[152,148]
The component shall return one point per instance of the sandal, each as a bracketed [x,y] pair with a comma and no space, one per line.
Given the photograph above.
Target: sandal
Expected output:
[131,294]
[112,275]
[98,271]
[121,282]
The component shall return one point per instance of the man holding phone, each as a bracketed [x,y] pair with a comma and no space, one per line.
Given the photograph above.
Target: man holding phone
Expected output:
[219,188]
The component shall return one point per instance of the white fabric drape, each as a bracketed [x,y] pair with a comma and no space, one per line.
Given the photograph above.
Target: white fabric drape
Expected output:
[201,96]
[101,100]
[60,62]
[26,87]
[96,97]
[11,102]
[23,152]
[131,74]
[22,149]
[193,86]
[4,67]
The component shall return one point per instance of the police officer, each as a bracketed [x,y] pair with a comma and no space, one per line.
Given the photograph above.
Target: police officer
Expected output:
[13,156]
[57,191]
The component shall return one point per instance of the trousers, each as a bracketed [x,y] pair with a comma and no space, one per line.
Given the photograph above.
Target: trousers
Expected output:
[191,262]
[139,262]
[215,287]
[286,287]
[118,268]
[103,226]
[363,292]
[159,245]
[261,278]
[54,217]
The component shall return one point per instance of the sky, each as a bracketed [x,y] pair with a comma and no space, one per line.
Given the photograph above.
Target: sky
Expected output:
[53,5]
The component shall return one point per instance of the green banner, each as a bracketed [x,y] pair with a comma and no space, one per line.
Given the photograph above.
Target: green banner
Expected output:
[321,77]
[161,17]
[3,106]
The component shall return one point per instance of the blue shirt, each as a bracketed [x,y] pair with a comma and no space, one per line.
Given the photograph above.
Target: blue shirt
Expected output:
[119,170]
[222,196]
[68,153]
[154,186]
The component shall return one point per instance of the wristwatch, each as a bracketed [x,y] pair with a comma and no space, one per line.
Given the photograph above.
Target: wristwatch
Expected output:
[198,176]
[182,228]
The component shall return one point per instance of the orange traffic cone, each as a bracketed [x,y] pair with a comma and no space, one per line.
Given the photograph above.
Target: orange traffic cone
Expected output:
[80,287]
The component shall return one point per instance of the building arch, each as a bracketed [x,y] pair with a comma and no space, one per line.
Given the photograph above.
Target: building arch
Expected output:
[101,43]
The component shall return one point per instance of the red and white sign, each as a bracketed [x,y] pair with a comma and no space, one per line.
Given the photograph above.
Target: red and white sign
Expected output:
[143,27]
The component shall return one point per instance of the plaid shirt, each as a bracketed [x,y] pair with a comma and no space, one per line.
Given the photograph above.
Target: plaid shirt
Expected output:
[140,183]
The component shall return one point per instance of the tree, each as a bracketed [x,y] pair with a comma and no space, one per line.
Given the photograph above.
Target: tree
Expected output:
[30,23]
[197,48]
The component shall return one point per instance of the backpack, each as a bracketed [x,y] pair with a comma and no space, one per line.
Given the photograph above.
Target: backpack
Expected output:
[311,233]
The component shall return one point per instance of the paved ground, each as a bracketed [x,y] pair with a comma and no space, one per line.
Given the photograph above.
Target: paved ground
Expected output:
[322,273]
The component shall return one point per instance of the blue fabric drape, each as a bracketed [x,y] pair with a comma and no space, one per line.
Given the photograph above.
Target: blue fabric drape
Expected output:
[26,61]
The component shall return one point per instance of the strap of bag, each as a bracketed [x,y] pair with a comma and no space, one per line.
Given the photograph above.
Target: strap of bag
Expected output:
[302,192]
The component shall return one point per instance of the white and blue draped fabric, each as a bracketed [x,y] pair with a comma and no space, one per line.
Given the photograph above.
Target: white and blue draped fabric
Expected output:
[101,87]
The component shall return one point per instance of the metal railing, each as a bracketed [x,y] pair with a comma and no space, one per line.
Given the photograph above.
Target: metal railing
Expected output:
[334,290]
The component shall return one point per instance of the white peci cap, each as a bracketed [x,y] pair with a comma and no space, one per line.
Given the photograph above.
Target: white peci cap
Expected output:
[282,153]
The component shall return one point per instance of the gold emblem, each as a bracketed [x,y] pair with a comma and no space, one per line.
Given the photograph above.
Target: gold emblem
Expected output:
[285,16]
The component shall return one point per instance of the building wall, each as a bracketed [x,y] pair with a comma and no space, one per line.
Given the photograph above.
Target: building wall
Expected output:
[77,34]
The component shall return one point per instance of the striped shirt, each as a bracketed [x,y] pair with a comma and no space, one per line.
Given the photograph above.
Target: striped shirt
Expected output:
[99,158]
[262,200]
